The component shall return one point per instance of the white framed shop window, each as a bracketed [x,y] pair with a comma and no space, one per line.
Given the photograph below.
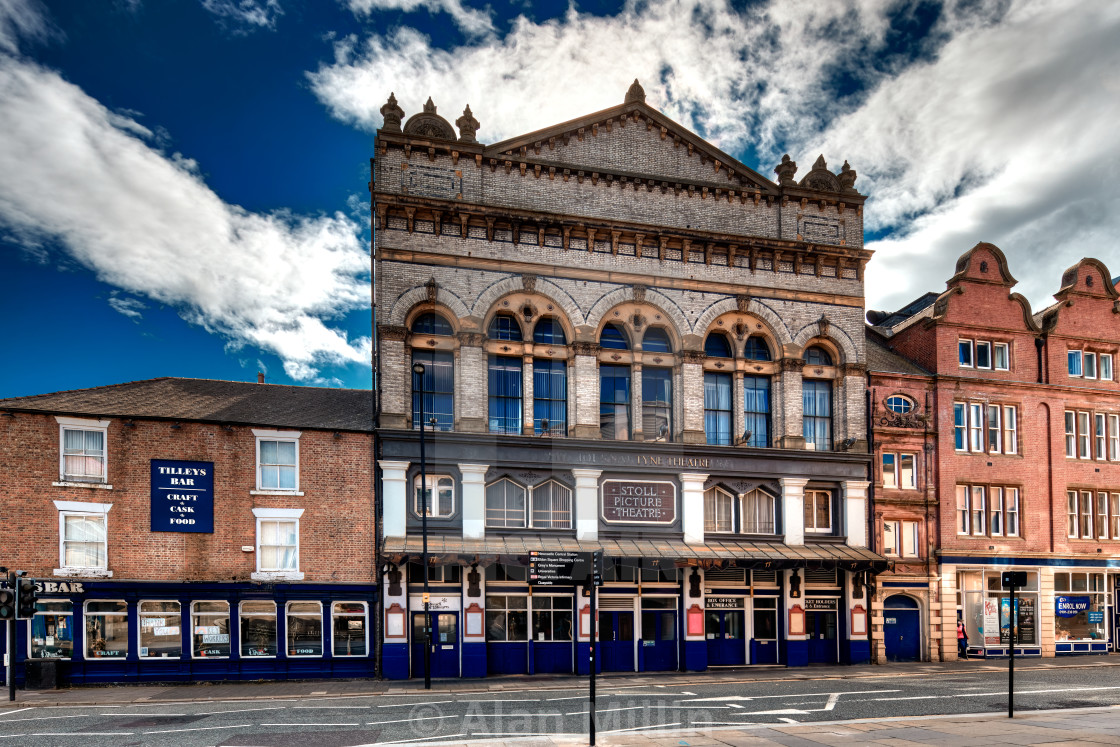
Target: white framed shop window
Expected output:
[277,462]
[277,544]
[83,453]
[303,628]
[161,632]
[349,629]
[83,541]
[256,620]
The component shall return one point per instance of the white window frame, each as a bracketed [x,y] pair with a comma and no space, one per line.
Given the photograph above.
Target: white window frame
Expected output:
[994,428]
[828,498]
[365,627]
[1010,429]
[1114,437]
[1100,436]
[978,502]
[889,466]
[909,539]
[1088,365]
[976,354]
[531,504]
[191,626]
[961,428]
[267,435]
[57,613]
[241,628]
[506,512]
[976,428]
[1071,434]
[1100,514]
[140,614]
[912,484]
[1011,512]
[288,631]
[891,538]
[277,514]
[1106,375]
[995,511]
[1114,514]
[82,424]
[964,510]
[431,484]
[996,347]
[1084,437]
[713,496]
[130,634]
[1071,356]
[962,346]
[75,508]
[1073,514]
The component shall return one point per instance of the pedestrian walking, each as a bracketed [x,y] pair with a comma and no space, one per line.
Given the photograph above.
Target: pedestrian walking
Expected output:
[962,640]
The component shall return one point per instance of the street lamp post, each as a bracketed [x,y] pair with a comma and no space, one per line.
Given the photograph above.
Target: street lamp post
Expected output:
[418,369]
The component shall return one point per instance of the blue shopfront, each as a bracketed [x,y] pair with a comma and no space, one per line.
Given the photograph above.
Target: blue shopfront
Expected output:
[118,631]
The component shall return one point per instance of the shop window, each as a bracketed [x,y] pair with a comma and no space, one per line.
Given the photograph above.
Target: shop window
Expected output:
[1080,603]
[552,506]
[431,324]
[987,611]
[717,408]
[817,356]
[759,512]
[504,327]
[964,353]
[816,397]
[161,631]
[901,405]
[656,340]
[765,618]
[613,338]
[83,537]
[552,618]
[505,505]
[1001,356]
[549,332]
[717,346]
[550,397]
[106,629]
[504,394]
[655,572]
[349,634]
[437,574]
[756,411]
[440,494]
[435,388]
[718,510]
[818,511]
[507,618]
[506,572]
[277,460]
[614,402]
[657,403]
[210,630]
[618,570]
[304,629]
[756,349]
[258,629]
[52,630]
[82,452]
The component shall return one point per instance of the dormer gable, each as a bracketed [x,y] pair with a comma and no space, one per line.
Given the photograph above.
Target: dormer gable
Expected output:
[983,263]
[983,281]
[1089,277]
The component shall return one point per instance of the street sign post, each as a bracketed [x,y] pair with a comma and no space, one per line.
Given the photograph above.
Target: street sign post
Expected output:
[1012,580]
[555,568]
[595,577]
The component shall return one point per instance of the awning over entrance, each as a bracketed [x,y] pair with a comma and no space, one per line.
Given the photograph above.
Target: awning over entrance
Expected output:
[738,553]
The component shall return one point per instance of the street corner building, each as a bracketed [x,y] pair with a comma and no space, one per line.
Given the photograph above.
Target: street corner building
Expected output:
[996,434]
[185,529]
[612,336]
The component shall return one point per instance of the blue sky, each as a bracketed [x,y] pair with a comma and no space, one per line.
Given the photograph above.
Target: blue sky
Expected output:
[183,182]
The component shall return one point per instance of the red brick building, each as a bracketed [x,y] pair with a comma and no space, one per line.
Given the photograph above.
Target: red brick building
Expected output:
[1023,413]
[186,529]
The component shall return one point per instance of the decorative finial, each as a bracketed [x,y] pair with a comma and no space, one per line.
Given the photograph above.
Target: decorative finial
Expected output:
[785,171]
[392,114]
[467,125]
[847,178]
[636,93]
[430,107]
[820,164]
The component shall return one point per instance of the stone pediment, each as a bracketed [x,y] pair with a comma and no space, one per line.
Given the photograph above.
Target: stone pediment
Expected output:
[632,140]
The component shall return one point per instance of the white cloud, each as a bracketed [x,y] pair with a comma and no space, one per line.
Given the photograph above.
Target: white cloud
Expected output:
[21,18]
[80,175]
[130,307]
[244,16]
[998,129]
[469,20]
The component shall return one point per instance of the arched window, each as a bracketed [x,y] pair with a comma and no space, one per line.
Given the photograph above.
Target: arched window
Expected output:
[756,349]
[656,340]
[717,408]
[898,403]
[759,513]
[505,505]
[717,346]
[719,510]
[431,324]
[552,506]
[613,338]
[504,327]
[818,356]
[434,389]
[549,332]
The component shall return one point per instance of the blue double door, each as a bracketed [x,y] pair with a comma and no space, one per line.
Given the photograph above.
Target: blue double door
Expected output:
[445,644]
[616,641]
[724,631]
[823,644]
[659,641]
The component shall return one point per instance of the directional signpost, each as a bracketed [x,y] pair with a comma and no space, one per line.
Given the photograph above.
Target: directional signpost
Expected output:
[1012,580]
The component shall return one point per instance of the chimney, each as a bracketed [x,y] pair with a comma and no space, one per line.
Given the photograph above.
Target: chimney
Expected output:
[260,377]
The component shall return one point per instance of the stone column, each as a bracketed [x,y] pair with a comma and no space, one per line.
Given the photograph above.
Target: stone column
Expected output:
[738,416]
[587,503]
[853,392]
[855,512]
[692,377]
[793,509]
[394,496]
[474,500]
[692,507]
[471,375]
[792,436]
[637,432]
[396,377]
[583,410]
[527,395]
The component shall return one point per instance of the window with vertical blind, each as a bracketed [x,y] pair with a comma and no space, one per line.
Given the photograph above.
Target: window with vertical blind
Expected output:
[756,411]
[550,397]
[717,408]
[657,403]
[718,510]
[505,505]
[551,506]
[504,393]
[816,399]
[435,388]
[614,402]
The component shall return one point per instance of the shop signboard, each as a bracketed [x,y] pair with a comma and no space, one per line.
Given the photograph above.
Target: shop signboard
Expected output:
[182,496]
[1065,606]
[639,502]
[724,603]
[1096,616]
[820,604]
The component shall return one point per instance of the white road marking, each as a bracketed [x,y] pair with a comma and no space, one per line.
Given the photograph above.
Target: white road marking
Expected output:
[82,734]
[493,700]
[515,715]
[640,728]
[301,723]
[43,718]
[424,739]
[9,713]
[604,710]
[240,710]
[789,720]
[732,705]
[403,720]
[145,715]
[797,695]
[199,728]
[686,692]
[411,705]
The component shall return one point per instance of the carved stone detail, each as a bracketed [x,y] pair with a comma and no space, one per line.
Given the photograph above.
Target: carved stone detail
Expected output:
[635,93]
[429,124]
[467,125]
[792,364]
[393,332]
[693,356]
[432,289]
[785,171]
[392,114]
[821,179]
[471,339]
[847,178]
[742,302]
[585,348]
[639,292]
[529,282]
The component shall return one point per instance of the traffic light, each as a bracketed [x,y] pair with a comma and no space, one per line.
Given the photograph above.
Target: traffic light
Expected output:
[7,604]
[26,598]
